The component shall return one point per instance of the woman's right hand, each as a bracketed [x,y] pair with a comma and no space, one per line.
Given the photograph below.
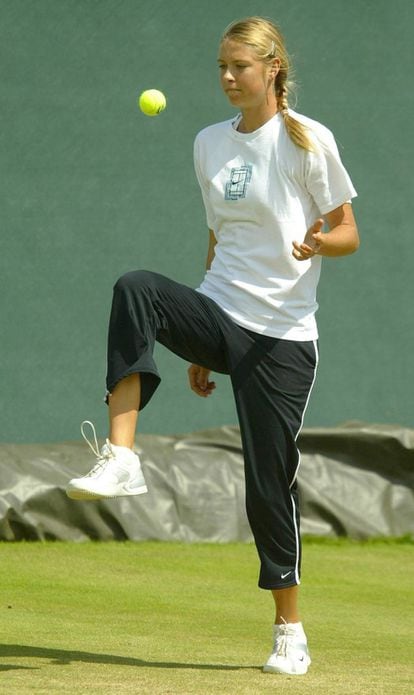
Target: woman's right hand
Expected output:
[199,382]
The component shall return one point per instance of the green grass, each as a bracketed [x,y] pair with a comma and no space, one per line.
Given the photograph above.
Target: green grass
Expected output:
[163,618]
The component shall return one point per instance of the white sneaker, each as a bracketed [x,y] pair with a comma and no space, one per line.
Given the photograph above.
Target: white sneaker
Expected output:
[117,473]
[290,651]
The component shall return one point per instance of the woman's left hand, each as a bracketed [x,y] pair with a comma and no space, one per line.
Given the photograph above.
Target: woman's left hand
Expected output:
[311,244]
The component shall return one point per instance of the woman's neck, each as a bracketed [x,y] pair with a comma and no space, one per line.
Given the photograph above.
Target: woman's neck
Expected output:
[252,119]
[256,116]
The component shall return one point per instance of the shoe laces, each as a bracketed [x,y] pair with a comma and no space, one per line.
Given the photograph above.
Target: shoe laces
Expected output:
[284,639]
[104,455]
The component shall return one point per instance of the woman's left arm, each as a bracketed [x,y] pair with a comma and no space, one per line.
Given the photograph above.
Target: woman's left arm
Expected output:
[341,239]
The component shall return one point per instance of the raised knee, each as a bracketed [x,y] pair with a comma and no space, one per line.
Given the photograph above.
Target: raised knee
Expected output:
[133,280]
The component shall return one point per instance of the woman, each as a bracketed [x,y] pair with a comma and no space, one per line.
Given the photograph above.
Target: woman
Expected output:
[270,179]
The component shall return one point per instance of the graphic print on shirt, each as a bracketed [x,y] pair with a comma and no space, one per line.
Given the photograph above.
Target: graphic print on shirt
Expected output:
[237,186]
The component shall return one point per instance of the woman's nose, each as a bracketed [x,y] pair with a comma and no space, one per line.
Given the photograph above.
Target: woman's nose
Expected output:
[227,76]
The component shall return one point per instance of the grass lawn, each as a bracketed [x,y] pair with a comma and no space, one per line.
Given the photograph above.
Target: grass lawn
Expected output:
[163,618]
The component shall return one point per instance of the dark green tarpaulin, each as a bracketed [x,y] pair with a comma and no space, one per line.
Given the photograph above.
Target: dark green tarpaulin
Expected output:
[356,480]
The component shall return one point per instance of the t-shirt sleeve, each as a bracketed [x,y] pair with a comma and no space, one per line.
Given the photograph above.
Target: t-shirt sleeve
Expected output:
[326,178]
[203,183]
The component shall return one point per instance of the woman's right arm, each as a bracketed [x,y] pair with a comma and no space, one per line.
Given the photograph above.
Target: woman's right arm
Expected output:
[211,249]
[199,376]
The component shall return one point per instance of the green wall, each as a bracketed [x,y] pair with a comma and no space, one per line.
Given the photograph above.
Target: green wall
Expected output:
[91,188]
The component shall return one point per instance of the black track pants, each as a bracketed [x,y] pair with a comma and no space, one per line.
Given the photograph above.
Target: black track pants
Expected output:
[271,379]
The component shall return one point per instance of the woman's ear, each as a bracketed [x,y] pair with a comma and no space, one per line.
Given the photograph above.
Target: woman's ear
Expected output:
[274,68]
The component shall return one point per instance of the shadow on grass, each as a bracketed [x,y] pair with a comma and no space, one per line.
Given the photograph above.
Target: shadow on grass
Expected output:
[63,657]
[13,667]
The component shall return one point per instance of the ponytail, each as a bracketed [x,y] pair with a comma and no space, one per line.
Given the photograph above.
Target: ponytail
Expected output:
[298,133]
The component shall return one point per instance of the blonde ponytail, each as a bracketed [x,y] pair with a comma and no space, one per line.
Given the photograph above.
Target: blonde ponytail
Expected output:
[298,133]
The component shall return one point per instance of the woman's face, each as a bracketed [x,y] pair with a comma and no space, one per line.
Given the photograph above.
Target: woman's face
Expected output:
[245,80]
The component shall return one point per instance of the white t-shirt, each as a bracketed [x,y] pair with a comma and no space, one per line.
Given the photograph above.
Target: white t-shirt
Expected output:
[261,192]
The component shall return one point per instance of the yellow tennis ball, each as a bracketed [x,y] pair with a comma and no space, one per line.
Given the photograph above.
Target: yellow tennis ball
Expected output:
[152,102]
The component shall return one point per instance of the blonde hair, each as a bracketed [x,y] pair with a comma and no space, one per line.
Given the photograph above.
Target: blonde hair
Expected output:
[265,38]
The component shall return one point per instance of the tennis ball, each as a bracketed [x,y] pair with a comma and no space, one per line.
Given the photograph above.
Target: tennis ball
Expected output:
[152,102]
